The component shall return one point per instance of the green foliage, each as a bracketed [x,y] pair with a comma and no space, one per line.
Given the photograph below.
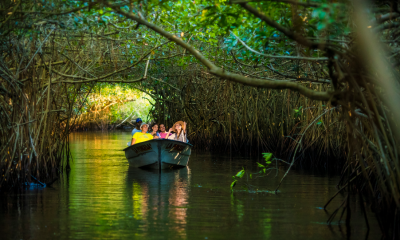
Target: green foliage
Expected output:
[297,112]
[320,122]
[268,160]
[240,174]
[233,184]
[260,165]
[267,157]
[206,22]
[118,101]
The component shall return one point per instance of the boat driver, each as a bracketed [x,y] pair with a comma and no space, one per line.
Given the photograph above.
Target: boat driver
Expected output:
[142,136]
[137,126]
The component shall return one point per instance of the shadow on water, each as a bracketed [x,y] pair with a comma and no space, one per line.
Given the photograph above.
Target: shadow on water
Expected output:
[103,198]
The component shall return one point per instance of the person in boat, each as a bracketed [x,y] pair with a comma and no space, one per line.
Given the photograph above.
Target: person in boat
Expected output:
[163,133]
[142,136]
[155,133]
[137,126]
[179,130]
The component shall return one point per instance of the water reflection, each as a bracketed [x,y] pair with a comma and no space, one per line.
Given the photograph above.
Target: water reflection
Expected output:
[103,198]
[160,198]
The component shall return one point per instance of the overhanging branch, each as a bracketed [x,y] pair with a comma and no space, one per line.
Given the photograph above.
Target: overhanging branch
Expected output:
[101,78]
[217,71]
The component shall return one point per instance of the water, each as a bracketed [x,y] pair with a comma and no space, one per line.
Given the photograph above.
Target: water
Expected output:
[102,198]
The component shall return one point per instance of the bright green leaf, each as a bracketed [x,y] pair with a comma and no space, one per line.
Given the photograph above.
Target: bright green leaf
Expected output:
[267,156]
[260,165]
[240,174]
[233,184]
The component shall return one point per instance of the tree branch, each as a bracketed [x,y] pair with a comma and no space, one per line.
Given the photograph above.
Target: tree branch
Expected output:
[294,2]
[290,34]
[217,71]
[110,74]
[9,16]
[47,13]
[277,56]
[103,80]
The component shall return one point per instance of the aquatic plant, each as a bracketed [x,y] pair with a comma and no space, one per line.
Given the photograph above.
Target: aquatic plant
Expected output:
[265,169]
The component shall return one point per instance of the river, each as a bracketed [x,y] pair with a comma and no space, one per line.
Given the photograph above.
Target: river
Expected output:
[103,198]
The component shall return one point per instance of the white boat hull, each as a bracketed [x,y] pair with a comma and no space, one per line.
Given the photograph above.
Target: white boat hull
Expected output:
[158,154]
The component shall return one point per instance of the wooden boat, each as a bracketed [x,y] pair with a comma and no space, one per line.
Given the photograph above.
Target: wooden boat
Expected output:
[159,154]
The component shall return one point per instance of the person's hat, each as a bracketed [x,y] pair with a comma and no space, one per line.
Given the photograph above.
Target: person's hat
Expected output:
[141,125]
[178,122]
[138,120]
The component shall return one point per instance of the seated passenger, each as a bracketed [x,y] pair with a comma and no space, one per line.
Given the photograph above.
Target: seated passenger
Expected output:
[142,136]
[155,133]
[179,130]
[163,133]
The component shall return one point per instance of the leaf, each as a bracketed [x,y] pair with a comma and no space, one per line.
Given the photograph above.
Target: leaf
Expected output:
[240,174]
[260,165]
[267,156]
[251,176]
[233,184]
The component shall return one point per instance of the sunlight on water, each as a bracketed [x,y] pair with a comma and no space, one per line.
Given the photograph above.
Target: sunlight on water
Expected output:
[102,197]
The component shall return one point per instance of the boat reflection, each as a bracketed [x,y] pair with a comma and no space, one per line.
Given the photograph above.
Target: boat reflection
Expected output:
[160,198]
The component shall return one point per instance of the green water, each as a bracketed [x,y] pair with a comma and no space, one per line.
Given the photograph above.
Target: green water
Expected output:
[102,198]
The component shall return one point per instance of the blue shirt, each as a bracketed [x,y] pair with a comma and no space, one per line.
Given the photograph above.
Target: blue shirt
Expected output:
[135,131]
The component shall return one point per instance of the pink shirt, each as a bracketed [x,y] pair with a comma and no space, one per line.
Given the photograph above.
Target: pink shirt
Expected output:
[164,135]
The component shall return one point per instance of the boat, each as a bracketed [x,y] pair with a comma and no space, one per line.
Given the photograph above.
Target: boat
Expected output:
[159,154]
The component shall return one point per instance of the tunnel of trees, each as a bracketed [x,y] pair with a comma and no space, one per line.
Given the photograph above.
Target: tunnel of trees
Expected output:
[315,79]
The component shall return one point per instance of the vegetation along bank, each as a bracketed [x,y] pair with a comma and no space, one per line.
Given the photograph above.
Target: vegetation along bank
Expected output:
[276,76]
